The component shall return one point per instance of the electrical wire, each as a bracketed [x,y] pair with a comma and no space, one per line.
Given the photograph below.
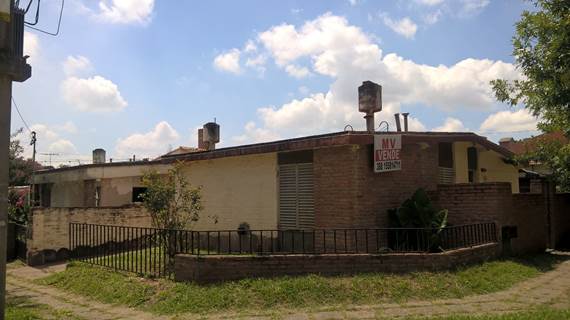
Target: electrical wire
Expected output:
[20,114]
[58,22]
[37,14]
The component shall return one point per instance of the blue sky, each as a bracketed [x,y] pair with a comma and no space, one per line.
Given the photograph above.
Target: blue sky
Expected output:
[137,77]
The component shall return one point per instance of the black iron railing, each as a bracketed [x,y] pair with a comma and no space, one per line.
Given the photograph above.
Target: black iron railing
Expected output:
[151,251]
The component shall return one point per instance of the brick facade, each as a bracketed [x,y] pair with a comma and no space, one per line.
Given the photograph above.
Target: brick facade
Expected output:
[207,269]
[528,214]
[349,194]
[469,203]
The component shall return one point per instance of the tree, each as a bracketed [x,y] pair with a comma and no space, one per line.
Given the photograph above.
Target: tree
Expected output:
[556,156]
[541,47]
[171,200]
[173,205]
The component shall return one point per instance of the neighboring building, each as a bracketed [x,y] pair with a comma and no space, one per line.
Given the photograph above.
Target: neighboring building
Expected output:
[529,145]
[317,181]
[532,175]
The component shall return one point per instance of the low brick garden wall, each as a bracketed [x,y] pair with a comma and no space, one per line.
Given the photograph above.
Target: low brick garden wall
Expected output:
[216,268]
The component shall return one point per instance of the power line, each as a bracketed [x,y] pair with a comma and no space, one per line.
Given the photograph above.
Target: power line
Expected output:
[20,114]
[58,22]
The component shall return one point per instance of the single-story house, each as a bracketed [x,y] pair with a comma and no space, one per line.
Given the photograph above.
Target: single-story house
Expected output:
[341,179]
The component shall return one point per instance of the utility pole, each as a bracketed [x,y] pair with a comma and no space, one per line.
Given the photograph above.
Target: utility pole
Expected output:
[31,193]
[13,67]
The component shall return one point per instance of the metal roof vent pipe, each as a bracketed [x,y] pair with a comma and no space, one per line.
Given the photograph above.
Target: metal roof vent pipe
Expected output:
[99,156]
[211,135]
[369,102]
[398,125]
[405,114]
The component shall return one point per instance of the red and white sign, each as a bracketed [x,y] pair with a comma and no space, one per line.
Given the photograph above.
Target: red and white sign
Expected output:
[387,149]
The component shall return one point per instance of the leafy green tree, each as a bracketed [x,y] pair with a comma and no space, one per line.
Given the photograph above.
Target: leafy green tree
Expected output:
[541,47]
[171,200]
[556,156]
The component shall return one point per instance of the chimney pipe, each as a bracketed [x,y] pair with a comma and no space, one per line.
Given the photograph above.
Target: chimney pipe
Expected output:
[405,114]
[398,126]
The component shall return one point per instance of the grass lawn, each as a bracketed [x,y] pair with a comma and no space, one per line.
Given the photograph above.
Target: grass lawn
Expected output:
[167,297]
[24,309]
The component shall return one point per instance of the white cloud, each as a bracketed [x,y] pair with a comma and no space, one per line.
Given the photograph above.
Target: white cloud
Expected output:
[75,65]
[509,121]
[149,144]
[471,7]
[296,71]
[433,17]
[257,63]
[94,94]
[349,56]
[405,26]
[250,46]
[62,146]
[31,46]
[252,134]
[125,11]
[430,2]
[49,140]
[228,61]
[44,132]
[68,127]
[451,125]
[353,2]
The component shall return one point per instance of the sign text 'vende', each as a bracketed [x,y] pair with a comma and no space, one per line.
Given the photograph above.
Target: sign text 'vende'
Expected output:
[387,148]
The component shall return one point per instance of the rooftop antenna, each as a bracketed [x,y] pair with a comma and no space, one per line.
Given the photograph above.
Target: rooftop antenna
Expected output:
[385,123]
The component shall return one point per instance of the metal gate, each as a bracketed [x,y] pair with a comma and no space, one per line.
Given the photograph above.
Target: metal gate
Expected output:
[17,239]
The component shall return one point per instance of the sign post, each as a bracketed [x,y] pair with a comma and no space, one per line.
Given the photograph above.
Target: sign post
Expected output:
[387,150]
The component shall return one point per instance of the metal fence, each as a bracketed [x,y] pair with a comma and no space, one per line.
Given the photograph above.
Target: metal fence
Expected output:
[151,251]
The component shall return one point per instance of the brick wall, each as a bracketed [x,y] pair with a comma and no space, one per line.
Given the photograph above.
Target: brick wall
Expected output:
[528,214]
[349,194]
[474,202]
[486,202]
[49,236]
[207,269]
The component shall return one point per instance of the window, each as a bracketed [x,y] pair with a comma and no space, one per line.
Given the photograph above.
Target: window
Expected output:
[137,194]
[446,172]
[445,155]
[97,196]
[471,163]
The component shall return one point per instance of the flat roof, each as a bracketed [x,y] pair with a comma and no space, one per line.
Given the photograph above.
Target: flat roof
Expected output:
[303,143]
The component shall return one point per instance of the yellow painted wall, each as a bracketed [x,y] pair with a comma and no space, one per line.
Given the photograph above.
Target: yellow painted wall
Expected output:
[118,191]
[496,169]
[460,161]
[236,189]
[67,194]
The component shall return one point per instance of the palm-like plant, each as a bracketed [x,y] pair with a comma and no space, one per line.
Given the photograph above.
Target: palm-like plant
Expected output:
[421,223]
